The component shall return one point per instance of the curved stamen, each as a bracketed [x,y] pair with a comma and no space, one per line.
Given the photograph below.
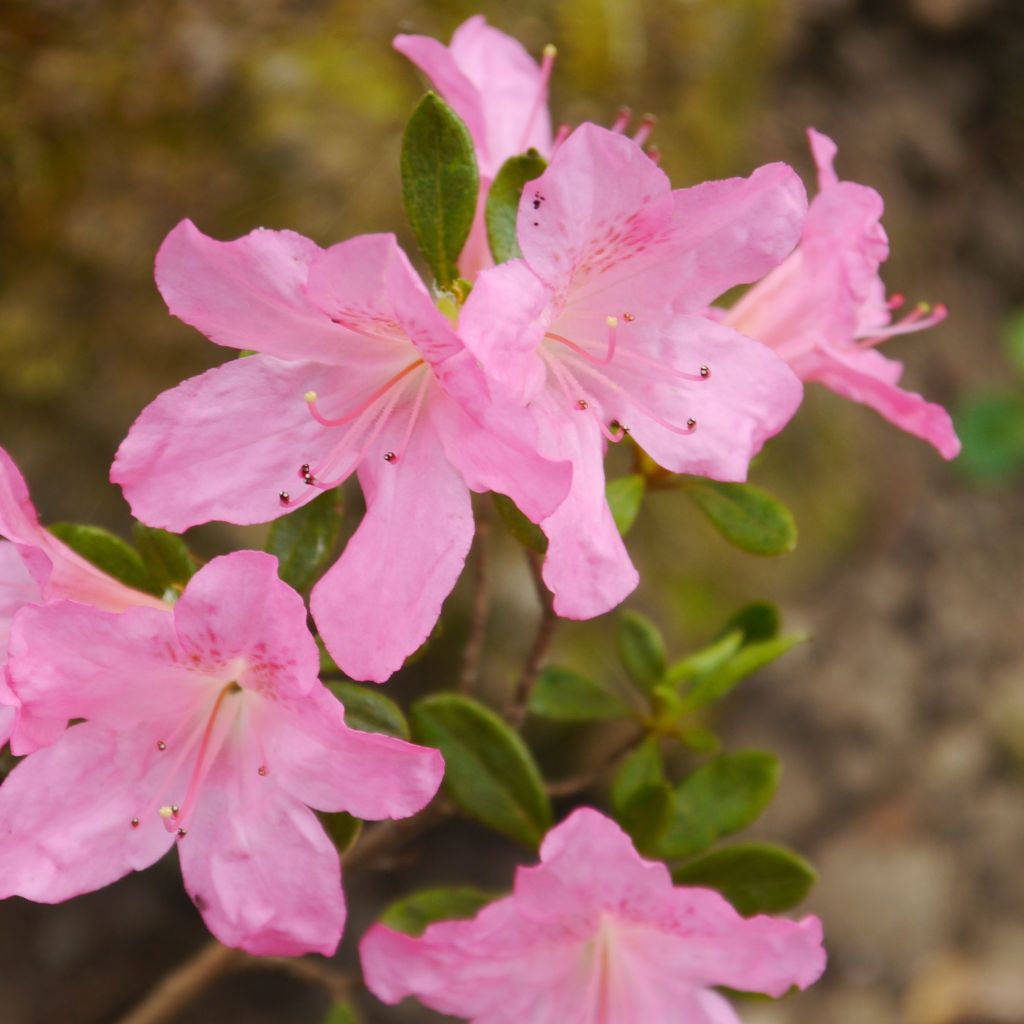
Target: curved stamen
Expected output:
[311,399]
[919,318]
[580,351]
[413,416]
[643,133]
[621,122]
[547,62]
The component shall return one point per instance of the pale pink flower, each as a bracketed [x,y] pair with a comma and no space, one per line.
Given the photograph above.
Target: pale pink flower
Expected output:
[824,309]
[357,371]
[598,328]
[35,566]
[500,92]
[205,726]
[594,935]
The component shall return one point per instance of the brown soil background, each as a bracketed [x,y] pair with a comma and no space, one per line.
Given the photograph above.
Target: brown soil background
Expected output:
[901,724]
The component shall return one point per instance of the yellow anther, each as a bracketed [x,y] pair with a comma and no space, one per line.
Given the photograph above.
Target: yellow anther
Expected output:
[310,396]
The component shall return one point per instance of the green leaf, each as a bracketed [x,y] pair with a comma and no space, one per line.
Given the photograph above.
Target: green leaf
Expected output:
[719,798]
[624,498]
[756,878]
[165,556]
[489,772]
[759,620]
[747,516]
[412,914]
[1013,339]
[304,540]
[342,828]
[706,660]
[528,533]
[717,683]
[107,552]
[641,649]
[643,767]
[991,427]
[502,208]
[440,183]
[645,815]
[566,696]
[341,1013]
[369,710]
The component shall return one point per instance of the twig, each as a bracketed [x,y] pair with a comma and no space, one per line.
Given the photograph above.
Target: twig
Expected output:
[474,648]
[184,984]
[515,712]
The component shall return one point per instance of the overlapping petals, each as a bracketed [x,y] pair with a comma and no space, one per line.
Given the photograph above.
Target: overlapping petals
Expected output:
[364,375]
[595,935]
[824,309]
[204,725]
[597,329]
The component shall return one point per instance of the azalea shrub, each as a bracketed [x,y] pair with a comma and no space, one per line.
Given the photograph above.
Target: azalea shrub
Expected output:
[573,301]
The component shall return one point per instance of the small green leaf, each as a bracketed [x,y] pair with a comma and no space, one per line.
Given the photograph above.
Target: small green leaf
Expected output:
[717,683]
[342,828]
[369,710]
[341,1013]
[165,556]
[440,183]
[412,914]
[747,516]
[502,208]
[719,798]
[107,552]
[528,533]
[327,663]
[566,696]
[759,620]
[489,772]
[641,649]
[756,878]
[706,660]
[304,540]
[624,498]
[645,814]
[643,767]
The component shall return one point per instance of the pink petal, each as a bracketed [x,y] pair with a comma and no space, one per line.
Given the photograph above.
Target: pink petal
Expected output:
[502,323]
[599,217]
[17,588]
[587,566]
[314,756]
[749,396]
[868,377]
[824,150]
[368,285]
[248,293]
[259,867]
[223,445]
[734,231]
[382,598]
[66,811]
[237,616]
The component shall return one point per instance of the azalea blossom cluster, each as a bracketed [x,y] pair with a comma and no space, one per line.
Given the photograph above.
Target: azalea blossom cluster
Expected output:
[199,720]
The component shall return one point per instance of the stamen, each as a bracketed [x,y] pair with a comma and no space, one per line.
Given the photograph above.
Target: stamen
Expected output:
[628,317]
[621,122]
[560,136]
[654,155]
[922,316]
[182,833]
[135,823]
[547,62]
[612,323]
[582,405]
[311,399]
[262,770]
[413,417]
[160,745]
[390,456]
[896,300]
[647,123]
[284,497]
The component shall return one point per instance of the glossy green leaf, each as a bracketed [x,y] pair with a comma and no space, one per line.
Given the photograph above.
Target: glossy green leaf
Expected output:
[759,620]
[342,828]
[489,772]
[747,516]
[706,660]
[643,767]
[304,540]
[412,914]
[641,649]
[502,207]
[528,533]
[107,552]
[756,878]
[717,683]
[368,710]
[440,183]
[719,798]
[645,815]
[625,495]
[567,696]
[165,556]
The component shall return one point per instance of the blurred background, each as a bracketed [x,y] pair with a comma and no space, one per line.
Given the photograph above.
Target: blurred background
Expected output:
[901,722]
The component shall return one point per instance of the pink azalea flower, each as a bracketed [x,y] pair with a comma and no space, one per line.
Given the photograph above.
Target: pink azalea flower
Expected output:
[594,935]
[824,309]
[206,726]
[357,371]
[35,566]
[500,93]
[599,329]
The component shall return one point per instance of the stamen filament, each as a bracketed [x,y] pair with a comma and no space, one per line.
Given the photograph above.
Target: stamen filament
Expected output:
[643,133]
[547,62]
[919,318]
[580,351]
[413,416]
[311,399]
[621,122]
